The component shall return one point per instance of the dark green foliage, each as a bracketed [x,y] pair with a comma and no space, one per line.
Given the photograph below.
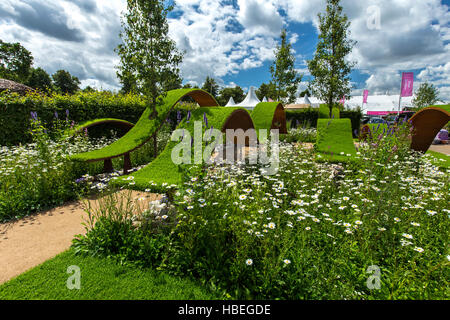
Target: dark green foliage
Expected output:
[211,86]
[426,95]
[226,93]
[302,117]
[267,90]
[15,111]
[284,76]
[324,112]
[15,61]
[329,67]
[64,82]
[40,80]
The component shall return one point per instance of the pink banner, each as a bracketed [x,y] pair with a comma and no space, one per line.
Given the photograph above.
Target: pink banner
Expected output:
[365,96]
[342,101]
[407,84]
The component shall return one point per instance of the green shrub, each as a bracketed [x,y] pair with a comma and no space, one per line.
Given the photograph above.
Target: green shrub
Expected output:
[324,112]
[15,111]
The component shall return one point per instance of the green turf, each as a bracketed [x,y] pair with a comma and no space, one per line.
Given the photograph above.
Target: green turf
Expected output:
[334,140]
[93,123]
[263,113]
[439,159]
[162,169]
[101,279]
[140,133]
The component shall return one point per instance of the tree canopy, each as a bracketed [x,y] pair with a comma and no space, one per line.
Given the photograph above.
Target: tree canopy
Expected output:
[329,67]
[426,95]
[65,82]
[284,76]
[15,62]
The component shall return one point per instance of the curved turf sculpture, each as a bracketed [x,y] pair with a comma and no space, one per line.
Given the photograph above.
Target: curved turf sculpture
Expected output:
[335,140]
[144,129]
[270,115]
[427,123]
[163,170]
[117,123]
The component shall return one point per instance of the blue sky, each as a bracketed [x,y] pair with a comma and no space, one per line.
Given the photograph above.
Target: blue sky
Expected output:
[234,40]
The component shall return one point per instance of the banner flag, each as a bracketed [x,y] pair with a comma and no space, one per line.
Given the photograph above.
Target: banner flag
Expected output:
[407,84]
[365,96]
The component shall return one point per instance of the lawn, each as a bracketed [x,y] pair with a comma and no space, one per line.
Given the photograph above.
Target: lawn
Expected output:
[101,279]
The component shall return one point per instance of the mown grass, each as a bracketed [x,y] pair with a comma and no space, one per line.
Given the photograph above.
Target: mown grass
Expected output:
[439,159]
[101,279]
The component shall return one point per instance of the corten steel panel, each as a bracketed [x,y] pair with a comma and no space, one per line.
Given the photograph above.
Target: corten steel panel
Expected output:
[279,119]
[426,124]
[239,119]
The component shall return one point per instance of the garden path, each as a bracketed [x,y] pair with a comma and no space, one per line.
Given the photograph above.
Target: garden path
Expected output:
[442,148]
[30,241]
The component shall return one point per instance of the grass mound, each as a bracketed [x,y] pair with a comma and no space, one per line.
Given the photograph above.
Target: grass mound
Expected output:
[263,114]
[92,123]
[334,140]
[140,133]
[162,170]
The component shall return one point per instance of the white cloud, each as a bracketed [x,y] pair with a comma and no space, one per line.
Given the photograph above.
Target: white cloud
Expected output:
[221,39]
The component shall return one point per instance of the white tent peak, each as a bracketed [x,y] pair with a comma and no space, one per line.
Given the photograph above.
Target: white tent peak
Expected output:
[264,99]
[250,101]
[230,103]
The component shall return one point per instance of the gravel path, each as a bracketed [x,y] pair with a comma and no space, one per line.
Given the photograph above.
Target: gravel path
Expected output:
[31,241]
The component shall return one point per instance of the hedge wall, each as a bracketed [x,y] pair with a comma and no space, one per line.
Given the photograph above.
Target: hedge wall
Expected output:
[15,111]
[302,117]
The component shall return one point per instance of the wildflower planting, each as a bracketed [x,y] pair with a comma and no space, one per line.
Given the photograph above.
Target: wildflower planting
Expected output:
[373,228]
[40,175]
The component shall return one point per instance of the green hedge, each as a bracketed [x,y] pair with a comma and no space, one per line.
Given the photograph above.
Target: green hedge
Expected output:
[15,111]
[308,117]
[324,112]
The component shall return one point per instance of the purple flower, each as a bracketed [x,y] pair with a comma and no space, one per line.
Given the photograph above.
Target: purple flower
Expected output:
[80,180]
[67,113]
[205,119]
[188,116]
[34,115]
[395,148]
[56,114]
[178,116]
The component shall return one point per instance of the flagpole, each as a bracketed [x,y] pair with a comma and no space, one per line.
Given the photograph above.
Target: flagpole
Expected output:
[400,97]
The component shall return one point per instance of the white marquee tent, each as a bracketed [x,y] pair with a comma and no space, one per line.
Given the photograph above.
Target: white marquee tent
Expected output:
[250,101]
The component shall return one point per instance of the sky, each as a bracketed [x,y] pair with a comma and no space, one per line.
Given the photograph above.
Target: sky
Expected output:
[234,40]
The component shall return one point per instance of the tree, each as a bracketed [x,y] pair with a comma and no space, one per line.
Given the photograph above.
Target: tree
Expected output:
[304,93]
[65,82]
[284,76]
[426,95]
[328,67]
[226,93]
[147,54]
[39,79]
[211,86]
[267,90]
[15,62]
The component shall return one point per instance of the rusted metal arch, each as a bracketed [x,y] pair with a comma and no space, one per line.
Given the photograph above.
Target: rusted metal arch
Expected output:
[426,124]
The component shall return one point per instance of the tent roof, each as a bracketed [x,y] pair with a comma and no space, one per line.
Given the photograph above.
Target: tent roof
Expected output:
[231,103]
[251,100]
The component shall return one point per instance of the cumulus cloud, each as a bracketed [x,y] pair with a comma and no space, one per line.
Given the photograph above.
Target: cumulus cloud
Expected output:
[222,38]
